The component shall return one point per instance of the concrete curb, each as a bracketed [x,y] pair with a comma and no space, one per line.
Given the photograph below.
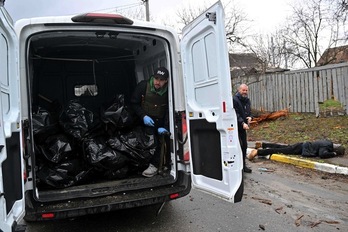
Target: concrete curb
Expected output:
[325,167]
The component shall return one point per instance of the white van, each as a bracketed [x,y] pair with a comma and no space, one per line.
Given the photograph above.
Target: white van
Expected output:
[49,64]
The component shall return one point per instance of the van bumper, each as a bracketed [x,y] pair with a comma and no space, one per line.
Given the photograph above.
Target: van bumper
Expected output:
[124,200]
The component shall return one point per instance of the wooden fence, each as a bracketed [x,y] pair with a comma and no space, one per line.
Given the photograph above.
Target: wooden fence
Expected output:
[300,90]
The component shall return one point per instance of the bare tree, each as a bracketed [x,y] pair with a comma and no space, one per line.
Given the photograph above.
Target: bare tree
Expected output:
[187,14]
[236,24]
[311,29]
[235,20]
[340,10]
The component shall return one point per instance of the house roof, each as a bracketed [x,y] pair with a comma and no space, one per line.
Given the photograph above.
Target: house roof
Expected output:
[244,63]
[243,60]
[334,56]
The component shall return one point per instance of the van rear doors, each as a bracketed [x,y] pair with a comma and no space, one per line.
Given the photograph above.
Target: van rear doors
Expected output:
[216,158]
[11,164]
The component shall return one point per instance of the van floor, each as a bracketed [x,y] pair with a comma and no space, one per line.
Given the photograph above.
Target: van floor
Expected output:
[104,188]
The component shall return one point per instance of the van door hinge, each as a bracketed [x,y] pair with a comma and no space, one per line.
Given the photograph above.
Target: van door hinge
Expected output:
[211,16]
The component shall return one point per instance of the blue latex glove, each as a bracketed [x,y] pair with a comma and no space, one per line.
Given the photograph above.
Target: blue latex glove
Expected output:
[148,121]
[162,131]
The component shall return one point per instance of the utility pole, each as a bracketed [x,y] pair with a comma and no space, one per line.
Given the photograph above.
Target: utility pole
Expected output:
[272,50]
[147,10]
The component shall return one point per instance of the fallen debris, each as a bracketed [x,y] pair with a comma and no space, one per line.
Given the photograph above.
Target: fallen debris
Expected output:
[314,224]
[270,116]
[298,220]
[262,227]
[265,170]
[265,201]
[279,209]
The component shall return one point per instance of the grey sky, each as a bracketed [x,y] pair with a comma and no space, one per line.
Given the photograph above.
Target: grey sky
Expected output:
[33,8]
[265,13]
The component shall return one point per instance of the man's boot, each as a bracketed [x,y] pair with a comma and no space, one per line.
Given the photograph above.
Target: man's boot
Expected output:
[245,168]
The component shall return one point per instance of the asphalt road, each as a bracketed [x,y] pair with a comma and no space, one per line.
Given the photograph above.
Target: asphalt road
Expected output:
[285,198]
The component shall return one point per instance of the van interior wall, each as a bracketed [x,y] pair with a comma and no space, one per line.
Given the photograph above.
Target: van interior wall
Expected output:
[55,81]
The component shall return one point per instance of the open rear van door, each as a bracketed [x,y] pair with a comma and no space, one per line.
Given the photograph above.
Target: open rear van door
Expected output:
[11,163]
[216,157]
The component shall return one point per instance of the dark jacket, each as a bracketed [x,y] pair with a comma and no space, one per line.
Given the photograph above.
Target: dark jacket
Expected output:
[321,148]
[243,110]
[137,102]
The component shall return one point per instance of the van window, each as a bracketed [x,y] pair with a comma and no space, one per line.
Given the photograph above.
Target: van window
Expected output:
[86,90]
[3,61]
[205,64]
[4,75]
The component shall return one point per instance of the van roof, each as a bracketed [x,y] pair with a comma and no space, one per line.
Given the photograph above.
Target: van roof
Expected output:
[69,19]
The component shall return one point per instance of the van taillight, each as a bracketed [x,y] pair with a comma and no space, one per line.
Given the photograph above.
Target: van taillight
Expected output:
[47,215]
[184,136]
[25,176]
[102,18]
[174,195]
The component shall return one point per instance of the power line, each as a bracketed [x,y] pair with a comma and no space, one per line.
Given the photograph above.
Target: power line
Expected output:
[119,8]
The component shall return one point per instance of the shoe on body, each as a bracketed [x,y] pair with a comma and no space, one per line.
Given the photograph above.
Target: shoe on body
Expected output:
[252,154]
[150,171]
[258,144]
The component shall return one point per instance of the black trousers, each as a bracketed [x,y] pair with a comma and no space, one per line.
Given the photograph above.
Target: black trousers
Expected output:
[161,141]
[272,148]
[243,142]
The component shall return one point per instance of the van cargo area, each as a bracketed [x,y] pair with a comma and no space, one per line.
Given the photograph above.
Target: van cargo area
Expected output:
[82,138]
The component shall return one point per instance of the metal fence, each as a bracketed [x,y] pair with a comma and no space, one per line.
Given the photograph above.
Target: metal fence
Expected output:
[300,90]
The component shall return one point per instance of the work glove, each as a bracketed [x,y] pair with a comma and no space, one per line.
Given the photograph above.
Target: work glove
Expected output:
[162,131]
[148,121]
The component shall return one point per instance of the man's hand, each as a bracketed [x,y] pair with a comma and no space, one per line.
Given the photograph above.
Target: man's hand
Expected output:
[162,131]
[249,119]
[148,121]
[245,126]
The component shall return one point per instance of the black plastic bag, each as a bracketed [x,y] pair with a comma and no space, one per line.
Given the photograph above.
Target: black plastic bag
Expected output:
[99,155]
[56,148]
[40,120]
[63,175]
[117,116]
[76,119]
[139,144]
[116,174]
[43,126]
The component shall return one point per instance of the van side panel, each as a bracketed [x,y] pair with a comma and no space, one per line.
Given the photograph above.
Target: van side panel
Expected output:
[12,179]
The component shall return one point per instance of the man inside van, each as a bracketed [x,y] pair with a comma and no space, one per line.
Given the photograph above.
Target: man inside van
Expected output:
[150,103]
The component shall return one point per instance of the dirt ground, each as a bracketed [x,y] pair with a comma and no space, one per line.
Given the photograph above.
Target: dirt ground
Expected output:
[307,197]
[298,127]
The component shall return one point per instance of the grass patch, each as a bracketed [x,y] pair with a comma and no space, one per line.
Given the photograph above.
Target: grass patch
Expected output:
[300,128]
[331,103]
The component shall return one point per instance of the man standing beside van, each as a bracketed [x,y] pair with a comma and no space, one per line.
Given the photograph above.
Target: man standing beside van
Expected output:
[241,104]
[150,103]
